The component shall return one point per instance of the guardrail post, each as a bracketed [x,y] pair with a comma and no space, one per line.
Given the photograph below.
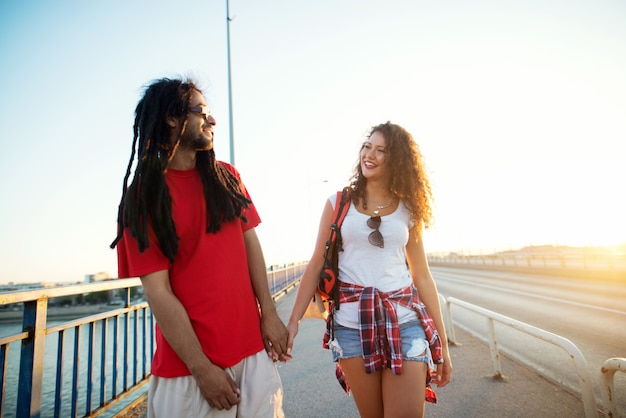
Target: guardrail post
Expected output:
[608,370]
[31,359]
[447,319]
[494,350]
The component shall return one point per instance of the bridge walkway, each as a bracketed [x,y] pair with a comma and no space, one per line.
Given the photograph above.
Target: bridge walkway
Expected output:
[311,390]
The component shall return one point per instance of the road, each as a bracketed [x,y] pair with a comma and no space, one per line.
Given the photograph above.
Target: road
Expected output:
[591,314]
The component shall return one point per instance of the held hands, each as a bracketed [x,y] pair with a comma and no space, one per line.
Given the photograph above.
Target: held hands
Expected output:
[275,337]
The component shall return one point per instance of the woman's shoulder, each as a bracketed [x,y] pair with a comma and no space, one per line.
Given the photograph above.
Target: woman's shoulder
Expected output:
[336,197]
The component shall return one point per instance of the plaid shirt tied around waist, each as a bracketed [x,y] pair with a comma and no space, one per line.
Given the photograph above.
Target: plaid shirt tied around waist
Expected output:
[380,331]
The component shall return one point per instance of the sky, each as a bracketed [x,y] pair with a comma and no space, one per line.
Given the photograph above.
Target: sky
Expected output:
[519,108]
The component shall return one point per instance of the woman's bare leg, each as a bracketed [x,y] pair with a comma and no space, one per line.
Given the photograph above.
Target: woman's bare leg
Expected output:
[404,395]
[366,388]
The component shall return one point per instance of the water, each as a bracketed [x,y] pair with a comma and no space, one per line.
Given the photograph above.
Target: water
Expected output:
[139,364]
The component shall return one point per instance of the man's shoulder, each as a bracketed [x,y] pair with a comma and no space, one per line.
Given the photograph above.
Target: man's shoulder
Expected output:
[230,168]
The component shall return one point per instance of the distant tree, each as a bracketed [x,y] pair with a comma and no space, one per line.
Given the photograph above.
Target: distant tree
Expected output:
[133,293]
[62,301]
[97,297]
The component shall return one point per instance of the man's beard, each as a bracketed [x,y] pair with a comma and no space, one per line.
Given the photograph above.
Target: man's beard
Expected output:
[200,143]
[196,141]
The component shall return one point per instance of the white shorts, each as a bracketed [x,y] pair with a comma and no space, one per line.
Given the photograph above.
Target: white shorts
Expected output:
[257,379]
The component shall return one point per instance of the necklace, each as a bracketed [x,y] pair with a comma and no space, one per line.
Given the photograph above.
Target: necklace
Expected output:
[377,209]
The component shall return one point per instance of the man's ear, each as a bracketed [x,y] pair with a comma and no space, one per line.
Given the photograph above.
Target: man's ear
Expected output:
[171,121]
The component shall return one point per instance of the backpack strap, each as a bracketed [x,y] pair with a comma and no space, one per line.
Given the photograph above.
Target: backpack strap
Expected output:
[341,209]
[328,284]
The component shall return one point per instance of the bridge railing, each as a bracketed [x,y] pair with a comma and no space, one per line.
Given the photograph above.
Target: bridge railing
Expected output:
[578,360]
[98,360]
[579,262]
[282,277]
[85,366]
[608,370]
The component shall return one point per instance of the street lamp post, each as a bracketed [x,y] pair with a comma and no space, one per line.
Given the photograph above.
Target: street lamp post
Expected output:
[230,94]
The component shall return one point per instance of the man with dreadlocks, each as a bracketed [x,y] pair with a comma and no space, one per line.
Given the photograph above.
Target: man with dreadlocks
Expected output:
[186,228]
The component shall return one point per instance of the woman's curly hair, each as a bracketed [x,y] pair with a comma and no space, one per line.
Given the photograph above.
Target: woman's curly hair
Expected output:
[405,175]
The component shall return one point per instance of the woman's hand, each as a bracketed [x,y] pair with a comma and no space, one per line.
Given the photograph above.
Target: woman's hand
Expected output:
[444,372]
[292,329]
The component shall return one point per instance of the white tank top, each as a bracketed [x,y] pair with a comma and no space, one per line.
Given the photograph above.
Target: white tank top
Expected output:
[367,265]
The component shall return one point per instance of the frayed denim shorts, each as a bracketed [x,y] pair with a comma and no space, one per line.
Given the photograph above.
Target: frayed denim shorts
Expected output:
[347,343]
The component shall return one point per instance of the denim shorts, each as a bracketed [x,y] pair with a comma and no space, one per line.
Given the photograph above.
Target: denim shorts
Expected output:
[347,343]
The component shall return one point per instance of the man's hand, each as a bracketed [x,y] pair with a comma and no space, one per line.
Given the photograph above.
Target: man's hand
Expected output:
[275,337]
[215,384]
[217,387]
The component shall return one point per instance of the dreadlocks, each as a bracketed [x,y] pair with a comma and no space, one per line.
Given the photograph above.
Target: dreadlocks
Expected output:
[147,201]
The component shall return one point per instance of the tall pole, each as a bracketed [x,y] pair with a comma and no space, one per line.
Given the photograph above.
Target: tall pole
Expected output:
[230,93]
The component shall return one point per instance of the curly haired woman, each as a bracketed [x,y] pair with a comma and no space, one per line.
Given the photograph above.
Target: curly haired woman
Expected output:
[387,335]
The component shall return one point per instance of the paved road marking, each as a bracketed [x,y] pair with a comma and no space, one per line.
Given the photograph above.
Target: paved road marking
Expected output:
[518,292]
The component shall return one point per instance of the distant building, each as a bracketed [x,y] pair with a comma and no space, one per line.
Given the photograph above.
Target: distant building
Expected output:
[17,287]
[97,277]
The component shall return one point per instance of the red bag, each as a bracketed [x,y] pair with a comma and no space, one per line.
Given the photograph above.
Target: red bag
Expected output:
[328,284]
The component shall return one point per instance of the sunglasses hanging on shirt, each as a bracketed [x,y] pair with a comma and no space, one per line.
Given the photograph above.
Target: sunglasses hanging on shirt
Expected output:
[375,238]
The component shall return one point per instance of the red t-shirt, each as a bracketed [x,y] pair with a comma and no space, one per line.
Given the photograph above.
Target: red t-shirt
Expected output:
[209,276]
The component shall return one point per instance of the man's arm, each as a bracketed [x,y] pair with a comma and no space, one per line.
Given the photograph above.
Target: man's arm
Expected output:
[215,384]
[274,332]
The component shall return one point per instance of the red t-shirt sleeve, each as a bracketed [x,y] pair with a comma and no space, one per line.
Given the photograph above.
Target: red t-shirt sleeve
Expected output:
[251,213]
[133,263]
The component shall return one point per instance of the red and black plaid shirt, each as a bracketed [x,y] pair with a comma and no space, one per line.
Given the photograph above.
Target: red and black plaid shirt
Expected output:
[380,332]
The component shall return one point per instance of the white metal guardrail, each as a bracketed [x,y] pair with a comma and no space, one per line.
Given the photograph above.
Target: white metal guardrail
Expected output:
[608,370]
[595,259]
[584,377]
